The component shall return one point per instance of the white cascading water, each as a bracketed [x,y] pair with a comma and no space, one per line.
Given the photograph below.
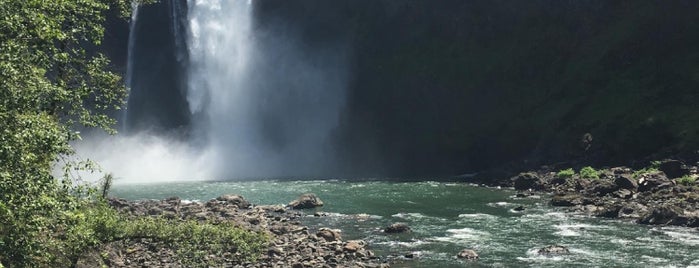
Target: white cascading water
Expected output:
[267,107]
[262,105]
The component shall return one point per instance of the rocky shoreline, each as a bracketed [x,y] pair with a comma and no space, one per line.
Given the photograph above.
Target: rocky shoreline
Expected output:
[664,194]
[291,245]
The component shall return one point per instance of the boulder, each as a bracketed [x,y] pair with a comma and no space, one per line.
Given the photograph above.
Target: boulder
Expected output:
[567,200]
[622,193]
[661,215]
[653,181]
[673,168]
[553,250]
[603,187]
[353,246]
[467,254]
[236,200]
[306,201]
[525,181]
[397,228]
[632,210]
[625,181]
[329,234]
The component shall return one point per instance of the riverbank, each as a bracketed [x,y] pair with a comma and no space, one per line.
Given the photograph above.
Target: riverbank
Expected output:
[664,193]
[291,243]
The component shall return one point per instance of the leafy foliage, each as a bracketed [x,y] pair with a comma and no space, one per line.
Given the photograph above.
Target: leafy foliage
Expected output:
[646,170]
[687,180]
[589,173]
[51,84]
[566,173]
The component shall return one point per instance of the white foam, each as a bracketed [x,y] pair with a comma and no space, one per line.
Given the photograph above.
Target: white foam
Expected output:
[500,204]
[409,215]
[463,235]
[682,236]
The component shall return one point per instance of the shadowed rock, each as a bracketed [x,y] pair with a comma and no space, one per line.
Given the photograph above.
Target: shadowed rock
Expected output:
[397,228]
[525,181]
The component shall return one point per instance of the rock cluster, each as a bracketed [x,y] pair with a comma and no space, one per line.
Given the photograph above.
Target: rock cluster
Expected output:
[648,196]
[292,245]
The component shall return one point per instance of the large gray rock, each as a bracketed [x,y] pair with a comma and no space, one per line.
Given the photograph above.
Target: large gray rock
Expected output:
[553,250]
[468,254]
[653,181]
[626,181]
[673,168]
[236,200]
[603,187]
[567,200]
[329,234]
[306,201]
[525,181]
[661,215]
[397,228]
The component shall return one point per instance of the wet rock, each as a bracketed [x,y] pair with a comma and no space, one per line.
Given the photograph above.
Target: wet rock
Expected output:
[673,168]
[553,250]
[610,211]
[467,254]
[632,210]
[525,181]
[661,215]
[559,180]
[236,200]
[329,234]
[653,181]
[626,181]
[306,201]
[621,170]
[567,200]
[603,187]
[623,194]
[519,209]
[397,228]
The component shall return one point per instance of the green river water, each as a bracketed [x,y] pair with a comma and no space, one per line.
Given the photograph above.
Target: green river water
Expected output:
[448,217]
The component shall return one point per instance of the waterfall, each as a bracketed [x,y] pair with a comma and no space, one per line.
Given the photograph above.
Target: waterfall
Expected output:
[217,97]
[266,107]
[129,62]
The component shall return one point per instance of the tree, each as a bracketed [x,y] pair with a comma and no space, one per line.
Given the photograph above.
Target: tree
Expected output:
[49,85]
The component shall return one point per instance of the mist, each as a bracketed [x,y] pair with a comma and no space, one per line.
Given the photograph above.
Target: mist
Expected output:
[259,102]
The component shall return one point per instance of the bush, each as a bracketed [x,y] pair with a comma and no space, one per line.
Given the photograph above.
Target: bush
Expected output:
[687,180]
[589,173]
[566,173]
[196,240]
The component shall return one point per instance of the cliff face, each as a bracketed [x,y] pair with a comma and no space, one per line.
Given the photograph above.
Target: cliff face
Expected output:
[450,86]
[446,87]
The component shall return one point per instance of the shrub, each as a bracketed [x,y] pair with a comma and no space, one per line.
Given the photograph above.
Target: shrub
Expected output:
[566,173]
[687,180]
[196,240]
[589,173]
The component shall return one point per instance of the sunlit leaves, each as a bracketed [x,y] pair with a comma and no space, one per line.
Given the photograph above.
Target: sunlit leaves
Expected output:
[49,85]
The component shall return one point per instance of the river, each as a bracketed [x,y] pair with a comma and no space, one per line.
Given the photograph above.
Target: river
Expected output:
[448,217]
